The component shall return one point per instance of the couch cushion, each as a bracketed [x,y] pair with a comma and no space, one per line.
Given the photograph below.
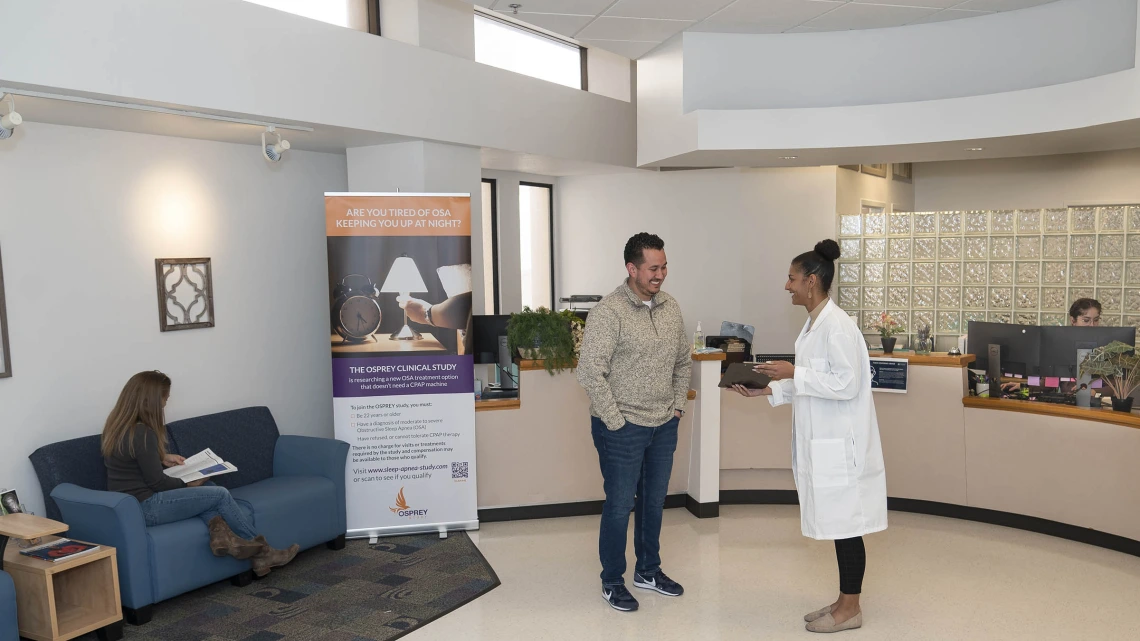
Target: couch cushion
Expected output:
[77,461]
[244,437]
[293,509]
[181,560]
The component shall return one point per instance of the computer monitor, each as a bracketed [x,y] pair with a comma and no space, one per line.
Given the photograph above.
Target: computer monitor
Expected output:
[736,350]
[1059,346]
[486,331]
[1018,348]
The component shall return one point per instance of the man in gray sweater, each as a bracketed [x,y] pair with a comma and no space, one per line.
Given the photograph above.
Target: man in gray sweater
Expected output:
[635,365]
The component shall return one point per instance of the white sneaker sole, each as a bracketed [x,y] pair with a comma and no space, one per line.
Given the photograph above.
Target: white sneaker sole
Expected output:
[607,600]
[651,586]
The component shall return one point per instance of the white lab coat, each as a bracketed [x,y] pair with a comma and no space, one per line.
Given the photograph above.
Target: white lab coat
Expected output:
[837,459]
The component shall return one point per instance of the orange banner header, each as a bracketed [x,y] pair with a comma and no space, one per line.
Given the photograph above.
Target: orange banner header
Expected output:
[398,215]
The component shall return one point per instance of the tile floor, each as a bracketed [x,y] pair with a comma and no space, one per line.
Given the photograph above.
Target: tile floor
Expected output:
[751,575]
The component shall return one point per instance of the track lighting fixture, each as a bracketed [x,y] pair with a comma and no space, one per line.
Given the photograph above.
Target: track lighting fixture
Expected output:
[11,120]
[273,152]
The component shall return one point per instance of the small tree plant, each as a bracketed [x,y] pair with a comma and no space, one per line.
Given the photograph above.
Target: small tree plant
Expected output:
[1117,365]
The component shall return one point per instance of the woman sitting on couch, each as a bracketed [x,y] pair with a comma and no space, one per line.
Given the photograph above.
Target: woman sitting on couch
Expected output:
[134,451]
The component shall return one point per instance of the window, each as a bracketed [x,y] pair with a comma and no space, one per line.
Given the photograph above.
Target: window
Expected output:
[536,244]
[490,237]
[514,48]
[332,12]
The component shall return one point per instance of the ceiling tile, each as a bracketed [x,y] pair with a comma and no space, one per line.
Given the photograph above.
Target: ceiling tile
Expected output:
[670,9]
[868,16]
[932,4]
[765,16]
[567,7]
[802,30]
[607,28]
[1000,5]
[629,49]
[556,22]
[951,14]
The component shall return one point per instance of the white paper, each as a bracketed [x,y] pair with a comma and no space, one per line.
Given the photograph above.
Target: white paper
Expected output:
[202,465]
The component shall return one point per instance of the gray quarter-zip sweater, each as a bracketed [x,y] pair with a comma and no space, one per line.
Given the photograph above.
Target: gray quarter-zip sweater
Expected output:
[636,359]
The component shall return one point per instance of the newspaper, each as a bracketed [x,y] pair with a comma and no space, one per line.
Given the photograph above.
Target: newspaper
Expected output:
[202,465]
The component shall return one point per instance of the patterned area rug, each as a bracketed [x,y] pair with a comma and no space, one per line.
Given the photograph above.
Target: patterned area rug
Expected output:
[360,593]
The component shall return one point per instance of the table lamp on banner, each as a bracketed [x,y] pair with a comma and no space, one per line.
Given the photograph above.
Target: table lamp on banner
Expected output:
[404,279]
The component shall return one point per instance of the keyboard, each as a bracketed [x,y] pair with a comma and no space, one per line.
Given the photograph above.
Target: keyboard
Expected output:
[491,394]
[762,358]
[1056,399]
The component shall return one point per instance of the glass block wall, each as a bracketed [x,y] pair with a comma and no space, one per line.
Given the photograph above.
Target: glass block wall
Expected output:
[944,269]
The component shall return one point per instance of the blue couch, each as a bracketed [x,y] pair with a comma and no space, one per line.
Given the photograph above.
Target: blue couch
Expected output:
[292,487]
[8,630]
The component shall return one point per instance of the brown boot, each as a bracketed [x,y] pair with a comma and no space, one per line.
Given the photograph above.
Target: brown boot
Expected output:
[268,557]
[223,541]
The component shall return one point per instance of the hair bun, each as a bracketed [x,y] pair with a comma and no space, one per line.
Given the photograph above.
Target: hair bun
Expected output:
[829,249]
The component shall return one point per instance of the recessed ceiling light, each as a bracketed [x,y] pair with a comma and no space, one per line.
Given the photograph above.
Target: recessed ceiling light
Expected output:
[788,157]
[975,148]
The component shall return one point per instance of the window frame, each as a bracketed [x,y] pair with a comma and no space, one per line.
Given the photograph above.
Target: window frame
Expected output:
[550,190]
[494,183]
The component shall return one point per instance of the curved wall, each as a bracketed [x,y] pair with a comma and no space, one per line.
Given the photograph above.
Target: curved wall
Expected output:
[1055,43]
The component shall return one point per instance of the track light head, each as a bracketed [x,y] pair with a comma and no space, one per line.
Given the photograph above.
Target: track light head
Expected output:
[11,120]
[273,151]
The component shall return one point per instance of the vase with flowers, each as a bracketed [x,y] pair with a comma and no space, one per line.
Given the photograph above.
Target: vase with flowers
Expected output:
[887,327]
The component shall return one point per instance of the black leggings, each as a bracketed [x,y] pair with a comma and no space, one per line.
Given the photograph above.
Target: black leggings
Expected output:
[852,558]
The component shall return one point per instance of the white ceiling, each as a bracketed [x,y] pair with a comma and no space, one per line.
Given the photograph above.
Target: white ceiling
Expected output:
[632,28]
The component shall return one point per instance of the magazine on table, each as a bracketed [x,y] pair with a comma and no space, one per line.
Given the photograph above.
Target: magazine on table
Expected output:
[59,550]
[202,465]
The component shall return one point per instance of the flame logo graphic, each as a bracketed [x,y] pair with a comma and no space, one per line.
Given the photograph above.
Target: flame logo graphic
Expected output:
[401,504]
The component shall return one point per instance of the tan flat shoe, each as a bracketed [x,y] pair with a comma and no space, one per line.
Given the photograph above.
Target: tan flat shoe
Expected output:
[826,624]
[818,613]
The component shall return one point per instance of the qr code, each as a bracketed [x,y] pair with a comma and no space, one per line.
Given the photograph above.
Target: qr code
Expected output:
[459,470]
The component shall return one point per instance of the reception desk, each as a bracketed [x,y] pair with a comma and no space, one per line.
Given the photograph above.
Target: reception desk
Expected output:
[1059,470]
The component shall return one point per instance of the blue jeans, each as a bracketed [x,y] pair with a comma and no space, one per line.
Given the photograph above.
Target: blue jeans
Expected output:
[636,463]
[205,502]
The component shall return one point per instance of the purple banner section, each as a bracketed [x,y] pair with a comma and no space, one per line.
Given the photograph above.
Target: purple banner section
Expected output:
[399,376]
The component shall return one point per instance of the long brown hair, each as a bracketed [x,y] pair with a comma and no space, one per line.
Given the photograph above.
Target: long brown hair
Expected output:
[140,401]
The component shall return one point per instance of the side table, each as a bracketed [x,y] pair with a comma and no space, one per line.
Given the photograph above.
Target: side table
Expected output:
[66,599]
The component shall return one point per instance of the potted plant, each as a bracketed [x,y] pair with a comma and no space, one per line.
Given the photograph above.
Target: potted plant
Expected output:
[544,335]
[887,327]
[1119,367]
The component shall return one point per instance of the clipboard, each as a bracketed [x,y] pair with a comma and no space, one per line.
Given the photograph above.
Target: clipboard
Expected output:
[742,374]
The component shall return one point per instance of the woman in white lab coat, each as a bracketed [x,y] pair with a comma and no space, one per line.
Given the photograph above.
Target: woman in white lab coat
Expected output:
[837,459]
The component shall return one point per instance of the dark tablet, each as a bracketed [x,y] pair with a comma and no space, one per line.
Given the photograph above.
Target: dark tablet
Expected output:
[742,374]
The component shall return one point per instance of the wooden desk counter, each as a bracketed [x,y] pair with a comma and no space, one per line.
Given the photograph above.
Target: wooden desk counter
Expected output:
[1100,415]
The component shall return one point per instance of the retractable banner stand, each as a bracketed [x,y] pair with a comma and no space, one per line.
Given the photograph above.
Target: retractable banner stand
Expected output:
[403,397]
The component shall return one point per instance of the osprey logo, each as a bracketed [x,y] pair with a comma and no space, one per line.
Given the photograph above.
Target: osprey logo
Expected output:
[403,509]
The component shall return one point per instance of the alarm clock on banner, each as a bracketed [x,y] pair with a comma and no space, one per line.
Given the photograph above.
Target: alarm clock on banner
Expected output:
[356,308]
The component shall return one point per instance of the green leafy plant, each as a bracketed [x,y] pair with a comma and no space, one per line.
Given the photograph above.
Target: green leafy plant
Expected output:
[1117,364]
[544,335]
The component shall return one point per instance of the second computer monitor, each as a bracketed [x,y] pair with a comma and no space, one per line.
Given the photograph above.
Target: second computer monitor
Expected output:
[1020,347]
[1059,346]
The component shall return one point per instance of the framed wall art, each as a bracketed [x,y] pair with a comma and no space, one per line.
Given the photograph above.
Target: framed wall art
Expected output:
[185,293]
[5,353]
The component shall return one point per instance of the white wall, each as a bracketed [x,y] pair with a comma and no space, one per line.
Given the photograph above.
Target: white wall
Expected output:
[853,187]
[729,235]
[663,128]
[442,25]
[1050,44]
[238,58]
[1043,181]
[609,74]
[86,212]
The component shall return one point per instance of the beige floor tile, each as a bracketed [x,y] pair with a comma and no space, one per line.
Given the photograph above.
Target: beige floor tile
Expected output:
[751,575]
